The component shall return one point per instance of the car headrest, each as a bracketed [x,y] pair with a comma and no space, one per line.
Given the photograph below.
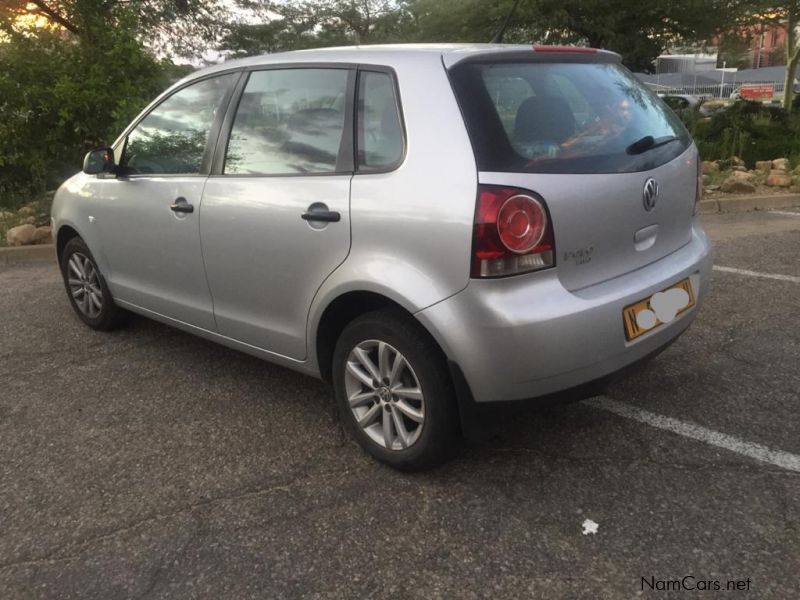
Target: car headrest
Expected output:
[543,118]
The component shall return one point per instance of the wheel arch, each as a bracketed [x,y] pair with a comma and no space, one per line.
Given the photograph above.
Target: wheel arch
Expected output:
[343,310]
[64,235]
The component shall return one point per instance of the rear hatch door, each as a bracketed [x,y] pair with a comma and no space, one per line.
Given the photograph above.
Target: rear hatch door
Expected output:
[615,166]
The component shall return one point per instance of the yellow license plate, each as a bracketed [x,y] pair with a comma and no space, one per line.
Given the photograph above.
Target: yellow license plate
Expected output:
[662,307]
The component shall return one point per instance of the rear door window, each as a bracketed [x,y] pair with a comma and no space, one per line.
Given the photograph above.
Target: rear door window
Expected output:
[289,121]
[564,118]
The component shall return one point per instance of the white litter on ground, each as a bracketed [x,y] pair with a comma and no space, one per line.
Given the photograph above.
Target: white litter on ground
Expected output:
[589,526]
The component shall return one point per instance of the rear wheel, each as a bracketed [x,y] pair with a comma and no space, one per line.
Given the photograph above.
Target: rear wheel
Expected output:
[394,391]
[87,290]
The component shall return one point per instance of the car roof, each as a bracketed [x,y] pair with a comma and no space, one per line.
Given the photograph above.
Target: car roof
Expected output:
[386,54]
[367,52]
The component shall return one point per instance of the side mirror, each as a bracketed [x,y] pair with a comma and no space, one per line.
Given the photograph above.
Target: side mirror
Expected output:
[98,161]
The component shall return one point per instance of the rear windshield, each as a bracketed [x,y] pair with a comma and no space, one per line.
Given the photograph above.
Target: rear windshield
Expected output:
[528,117]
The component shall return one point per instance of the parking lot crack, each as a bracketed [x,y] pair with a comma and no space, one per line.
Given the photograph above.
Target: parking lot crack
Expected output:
[169,561]
[75,549]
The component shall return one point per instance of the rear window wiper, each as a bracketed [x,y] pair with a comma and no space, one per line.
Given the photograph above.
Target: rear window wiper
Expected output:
[648,142]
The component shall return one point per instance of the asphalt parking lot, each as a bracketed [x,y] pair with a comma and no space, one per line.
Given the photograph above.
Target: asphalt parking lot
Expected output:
[148,463]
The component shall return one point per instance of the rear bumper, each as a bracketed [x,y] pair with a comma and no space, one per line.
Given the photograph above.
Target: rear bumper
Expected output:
[528,337]
[479,420]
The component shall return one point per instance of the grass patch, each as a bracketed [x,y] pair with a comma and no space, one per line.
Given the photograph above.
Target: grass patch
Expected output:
[717,177]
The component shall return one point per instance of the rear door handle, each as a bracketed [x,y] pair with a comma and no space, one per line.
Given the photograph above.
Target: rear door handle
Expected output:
[328,216]
[181,206]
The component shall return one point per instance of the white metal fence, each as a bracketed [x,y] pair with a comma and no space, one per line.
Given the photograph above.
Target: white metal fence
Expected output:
[722,90]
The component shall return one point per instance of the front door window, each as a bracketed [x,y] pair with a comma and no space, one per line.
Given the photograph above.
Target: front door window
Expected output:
[172,139]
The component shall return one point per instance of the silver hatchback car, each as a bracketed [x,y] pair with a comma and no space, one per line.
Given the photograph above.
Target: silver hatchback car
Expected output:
[437,230]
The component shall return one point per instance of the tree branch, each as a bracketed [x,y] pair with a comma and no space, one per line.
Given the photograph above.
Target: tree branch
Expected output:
[54,16]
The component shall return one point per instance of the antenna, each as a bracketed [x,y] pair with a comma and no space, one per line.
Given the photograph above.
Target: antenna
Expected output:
[498,37]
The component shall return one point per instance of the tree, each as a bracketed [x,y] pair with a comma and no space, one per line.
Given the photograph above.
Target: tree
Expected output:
[791,13]
[733,49]
[169,27]
[281,26]
[639,34]
[777,13]
[62,93]
[463,20]
[787,15]
[15,11]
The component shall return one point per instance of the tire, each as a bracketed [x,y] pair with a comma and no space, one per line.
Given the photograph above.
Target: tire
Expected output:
[390,332]
[86,287]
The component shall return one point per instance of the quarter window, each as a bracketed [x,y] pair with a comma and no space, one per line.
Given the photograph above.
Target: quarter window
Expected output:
[173,137]
[380,133]
[289,121]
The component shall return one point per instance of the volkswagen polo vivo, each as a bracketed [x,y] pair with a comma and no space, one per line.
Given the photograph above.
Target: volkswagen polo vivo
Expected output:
[432,229]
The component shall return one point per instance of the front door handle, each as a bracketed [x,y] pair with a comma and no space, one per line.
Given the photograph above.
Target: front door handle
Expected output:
[319,212]
[181,206]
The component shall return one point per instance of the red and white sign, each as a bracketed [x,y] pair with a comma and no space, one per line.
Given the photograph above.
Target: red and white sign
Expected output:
[759,91]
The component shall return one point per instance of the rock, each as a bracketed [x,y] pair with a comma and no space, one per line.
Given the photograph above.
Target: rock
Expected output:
[26,211]
[739,168]
[713,188]
[764,165]
[732,185]
[709,166]
[779,179]
[736,161]
[742,175]
[7,216]
[780,164]
[28,221]
[43,235]
[706,180]
[21,235]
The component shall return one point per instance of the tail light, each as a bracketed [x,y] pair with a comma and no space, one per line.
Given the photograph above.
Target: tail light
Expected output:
[512,233]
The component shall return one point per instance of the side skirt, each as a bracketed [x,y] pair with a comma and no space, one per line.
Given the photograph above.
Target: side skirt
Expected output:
[278,359]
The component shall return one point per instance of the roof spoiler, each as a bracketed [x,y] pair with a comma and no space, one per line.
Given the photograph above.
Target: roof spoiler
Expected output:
[515,53]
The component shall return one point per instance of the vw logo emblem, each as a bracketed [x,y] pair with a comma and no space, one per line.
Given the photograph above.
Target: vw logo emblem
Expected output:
[650,194]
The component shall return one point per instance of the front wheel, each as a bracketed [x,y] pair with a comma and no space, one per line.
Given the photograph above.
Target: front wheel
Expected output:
[394,391]
[87,290]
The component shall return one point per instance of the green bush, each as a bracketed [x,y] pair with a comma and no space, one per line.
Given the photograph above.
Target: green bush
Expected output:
[60,96]
[748,130]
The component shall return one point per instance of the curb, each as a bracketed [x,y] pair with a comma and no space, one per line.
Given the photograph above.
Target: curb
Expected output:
[747,203]
[19,254]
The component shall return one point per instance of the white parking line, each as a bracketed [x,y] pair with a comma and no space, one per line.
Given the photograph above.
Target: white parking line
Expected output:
[757,274]
[785,213]
[778,458]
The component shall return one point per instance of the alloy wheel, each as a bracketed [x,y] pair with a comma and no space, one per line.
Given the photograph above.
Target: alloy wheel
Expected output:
[384,394]
[84,285]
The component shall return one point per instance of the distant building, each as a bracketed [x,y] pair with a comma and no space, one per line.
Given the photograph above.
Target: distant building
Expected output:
[767,45]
